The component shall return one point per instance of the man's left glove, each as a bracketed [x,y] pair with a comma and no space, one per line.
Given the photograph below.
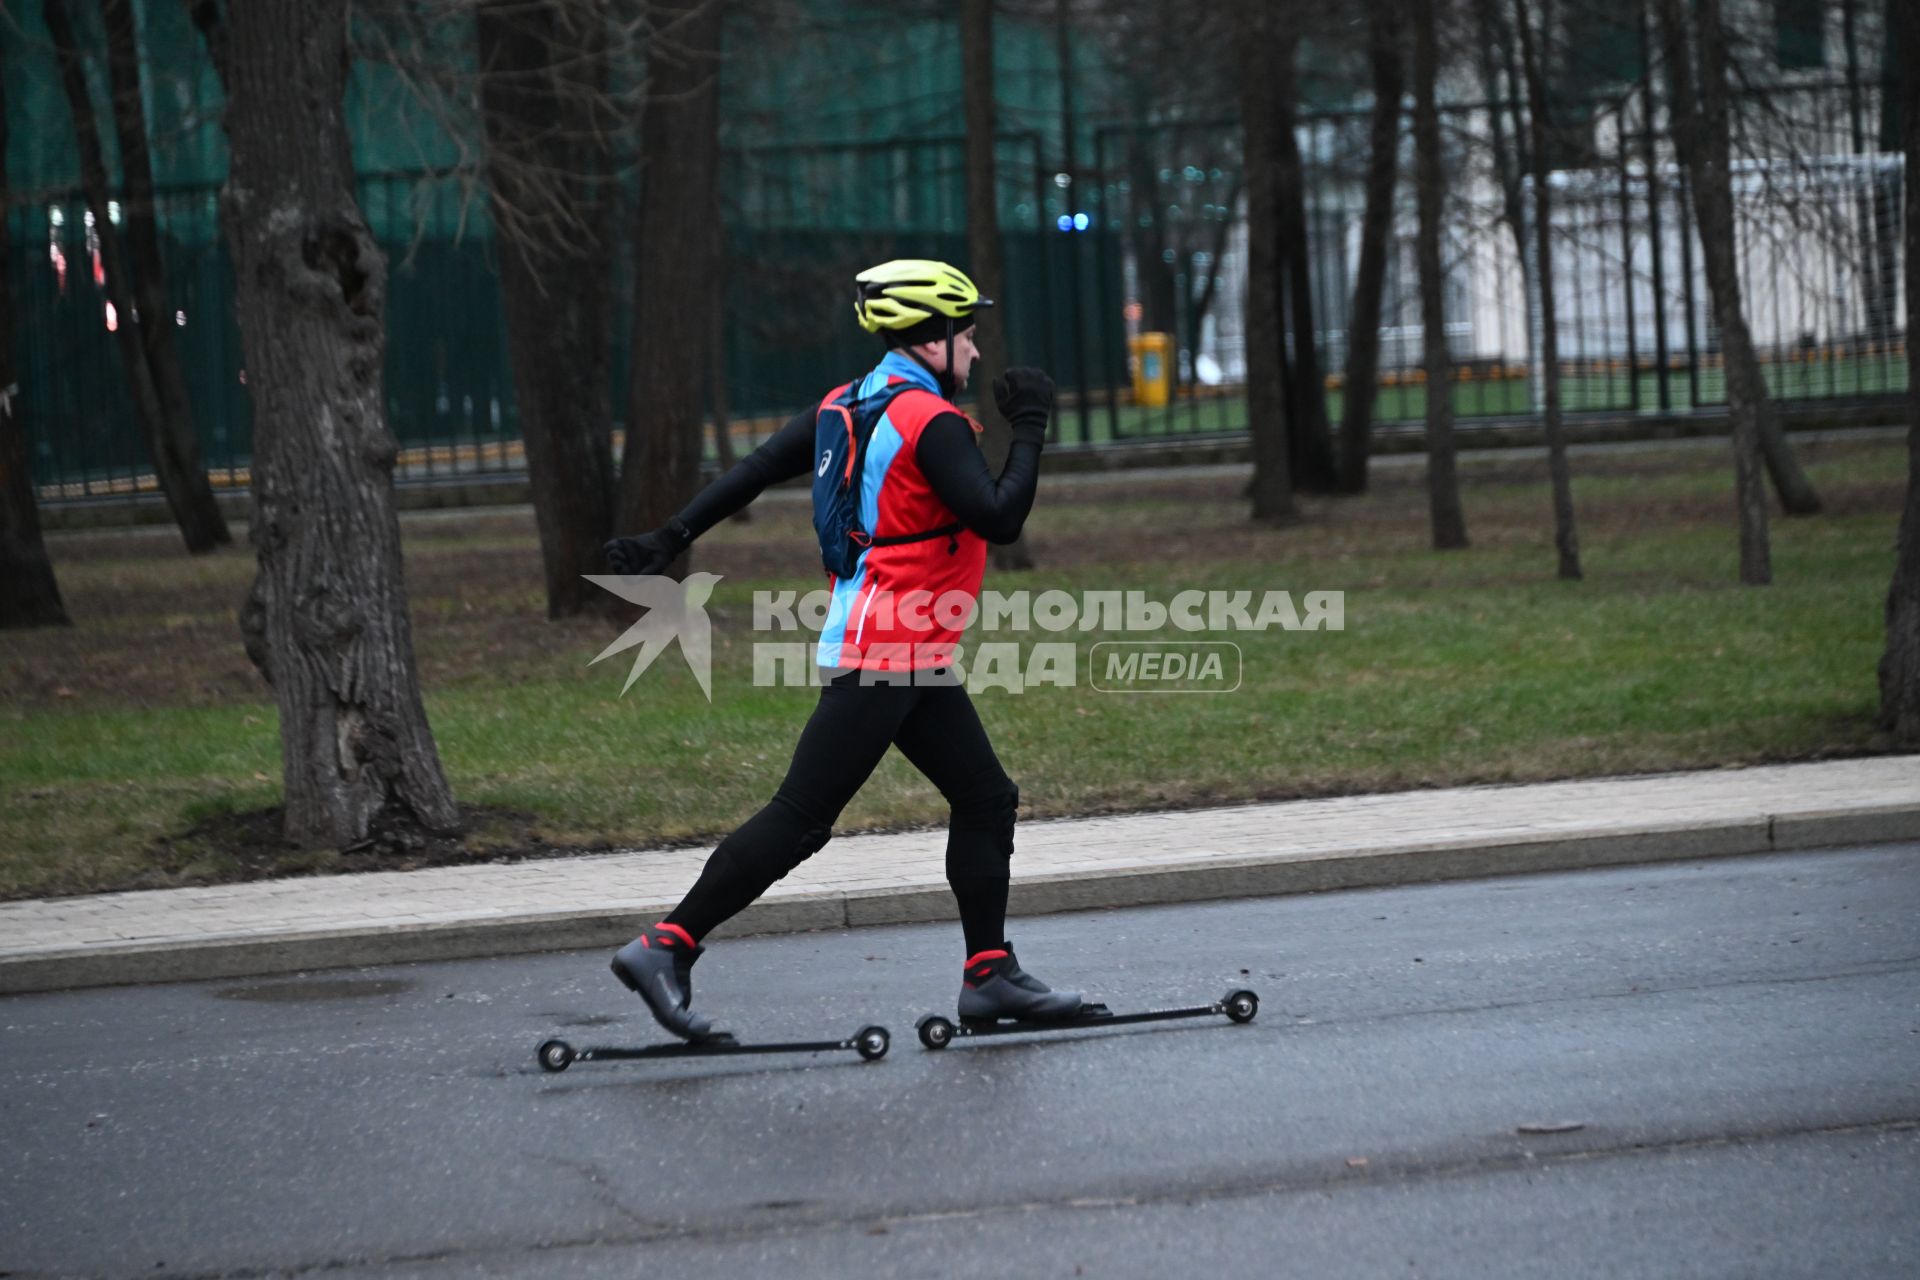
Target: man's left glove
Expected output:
[650,553]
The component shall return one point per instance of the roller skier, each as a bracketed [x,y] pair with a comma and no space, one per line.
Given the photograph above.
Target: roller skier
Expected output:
[904,503]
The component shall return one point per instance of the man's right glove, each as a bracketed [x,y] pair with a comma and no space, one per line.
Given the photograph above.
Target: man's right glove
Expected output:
[650,553]
[1025,397]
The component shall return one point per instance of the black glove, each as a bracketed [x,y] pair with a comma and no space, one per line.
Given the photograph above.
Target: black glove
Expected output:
[1025,397]
[649,553]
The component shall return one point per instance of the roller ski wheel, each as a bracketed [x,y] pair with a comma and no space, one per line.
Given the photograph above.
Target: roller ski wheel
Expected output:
[870,1042]
[937,1032]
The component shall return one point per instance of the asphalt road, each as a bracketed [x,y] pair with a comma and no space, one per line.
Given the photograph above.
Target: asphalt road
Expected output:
[1738,1043]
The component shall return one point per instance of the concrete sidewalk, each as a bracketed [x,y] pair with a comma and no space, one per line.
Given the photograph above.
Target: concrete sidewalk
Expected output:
[1246,850]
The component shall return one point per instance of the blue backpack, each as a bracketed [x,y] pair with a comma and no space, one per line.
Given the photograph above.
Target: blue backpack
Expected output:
[840,434]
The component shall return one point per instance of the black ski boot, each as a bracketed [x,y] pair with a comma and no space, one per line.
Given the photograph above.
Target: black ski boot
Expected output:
[657,966]
[995,986]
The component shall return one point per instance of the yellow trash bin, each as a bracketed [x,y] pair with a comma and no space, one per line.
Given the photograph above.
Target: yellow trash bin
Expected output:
[1150,355]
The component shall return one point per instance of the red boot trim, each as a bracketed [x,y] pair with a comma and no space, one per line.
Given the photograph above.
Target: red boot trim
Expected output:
[982,956]
[677,932]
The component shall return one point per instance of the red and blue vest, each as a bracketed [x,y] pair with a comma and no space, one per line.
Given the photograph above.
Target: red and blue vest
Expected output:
[906,604]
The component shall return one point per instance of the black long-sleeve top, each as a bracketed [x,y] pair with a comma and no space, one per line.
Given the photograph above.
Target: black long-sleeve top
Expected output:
[953,464]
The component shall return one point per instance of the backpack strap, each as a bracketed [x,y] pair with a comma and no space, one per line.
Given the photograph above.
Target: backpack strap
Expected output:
[852,411]
[896,539]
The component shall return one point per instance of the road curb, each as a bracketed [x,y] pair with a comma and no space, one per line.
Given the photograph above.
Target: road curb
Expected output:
[1202,879]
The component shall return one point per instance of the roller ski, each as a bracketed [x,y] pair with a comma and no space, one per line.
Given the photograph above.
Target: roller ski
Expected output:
[870,1043]
[998,997]
[657,966]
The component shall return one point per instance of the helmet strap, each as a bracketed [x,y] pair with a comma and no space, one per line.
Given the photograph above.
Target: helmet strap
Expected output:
[943,377]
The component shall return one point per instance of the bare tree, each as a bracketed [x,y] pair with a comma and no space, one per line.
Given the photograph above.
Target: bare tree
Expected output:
[718,401]
[136,277]
[1699,128]
[152,319]
[1443,484]
[328,610]
[1203,275]
[1510,162]
[549,165]
[1181,81]
[29,594]
[1702,138]
[1308,432]
[1153,254]
[1376,239]
[983,240]
[1900,664]
[1566,540]
[1271,488]
[673,269]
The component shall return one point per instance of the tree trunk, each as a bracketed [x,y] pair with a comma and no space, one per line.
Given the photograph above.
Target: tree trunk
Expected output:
[1204,288]
[136,279]
[672,265]
[1271,488]
[983,246]
[1509,163]
[29,596]
[1566,540]
[718,405]
[1704,142]
[153,315]
[540,65]
[1443,485]
[1705,163]
[1900,665]
[1148,230]
[1376,233]
[1309,434]
[329,602]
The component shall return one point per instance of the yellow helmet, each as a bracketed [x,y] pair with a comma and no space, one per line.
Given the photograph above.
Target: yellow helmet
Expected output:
[909,291]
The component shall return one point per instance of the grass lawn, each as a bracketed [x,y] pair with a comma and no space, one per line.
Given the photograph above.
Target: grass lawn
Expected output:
[120,735]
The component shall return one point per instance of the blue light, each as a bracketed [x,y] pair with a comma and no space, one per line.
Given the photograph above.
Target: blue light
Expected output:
[1079,222]
[1065,223]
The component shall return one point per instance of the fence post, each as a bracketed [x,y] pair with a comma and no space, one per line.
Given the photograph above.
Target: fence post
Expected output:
[1099,230]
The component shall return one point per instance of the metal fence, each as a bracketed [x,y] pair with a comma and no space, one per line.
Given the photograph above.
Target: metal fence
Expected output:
[1159,246]
[1819,229]
[796,231]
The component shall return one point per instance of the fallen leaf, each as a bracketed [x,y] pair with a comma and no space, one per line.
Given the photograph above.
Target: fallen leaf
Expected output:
[1552,1126]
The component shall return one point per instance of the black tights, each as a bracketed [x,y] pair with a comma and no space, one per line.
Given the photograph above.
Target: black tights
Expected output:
[937,729]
